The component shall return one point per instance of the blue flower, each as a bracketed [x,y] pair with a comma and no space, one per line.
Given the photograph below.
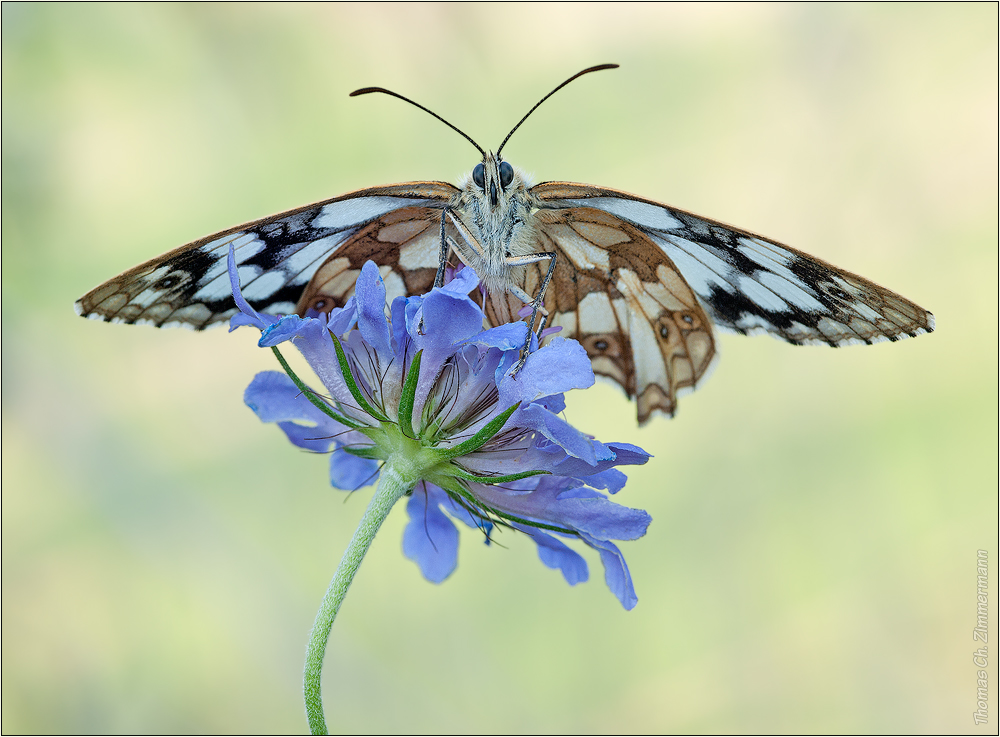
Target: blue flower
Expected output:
[432,394]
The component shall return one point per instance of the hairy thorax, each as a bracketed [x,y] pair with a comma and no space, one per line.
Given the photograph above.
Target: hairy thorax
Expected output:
[501,231]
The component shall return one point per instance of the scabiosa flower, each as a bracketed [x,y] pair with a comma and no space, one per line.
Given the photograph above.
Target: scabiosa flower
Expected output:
[432,383]
[430,403]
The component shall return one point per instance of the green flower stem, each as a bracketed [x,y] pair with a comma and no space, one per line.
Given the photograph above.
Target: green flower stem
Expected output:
[392,486]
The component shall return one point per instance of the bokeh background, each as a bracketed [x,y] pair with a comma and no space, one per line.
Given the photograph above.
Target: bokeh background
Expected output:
[817,512]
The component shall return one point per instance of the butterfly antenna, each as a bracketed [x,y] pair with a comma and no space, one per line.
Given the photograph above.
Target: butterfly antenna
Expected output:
[598,68]
[369,90]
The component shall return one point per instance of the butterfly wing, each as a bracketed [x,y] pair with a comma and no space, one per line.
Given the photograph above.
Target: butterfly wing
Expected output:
[404,243]
[278,258]
[621,297]
[750,284]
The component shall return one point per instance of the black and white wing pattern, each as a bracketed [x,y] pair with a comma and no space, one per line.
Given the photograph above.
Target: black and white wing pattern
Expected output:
[277,256]
[750,284]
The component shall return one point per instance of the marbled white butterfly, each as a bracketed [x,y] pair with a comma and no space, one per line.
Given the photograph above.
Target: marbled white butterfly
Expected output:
[637,283]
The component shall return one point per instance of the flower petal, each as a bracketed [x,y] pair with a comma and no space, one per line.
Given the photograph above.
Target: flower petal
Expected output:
[397,314]
[274,398]
[344,318]
[611,479]
[370,293]
[628,454]
[449,319]
[555,554]
[560,432]
[463,281]
[585,511]
[308,437]
[613,454]
[443,320]
[505,337]
[430,538]
[553,369]
[349,473]
[247,315]
[616,573]
[286,328]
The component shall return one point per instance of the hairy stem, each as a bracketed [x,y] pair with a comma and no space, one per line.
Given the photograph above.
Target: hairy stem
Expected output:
[392,486]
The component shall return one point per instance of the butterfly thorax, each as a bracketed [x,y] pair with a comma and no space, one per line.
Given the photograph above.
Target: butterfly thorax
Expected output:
[497,208]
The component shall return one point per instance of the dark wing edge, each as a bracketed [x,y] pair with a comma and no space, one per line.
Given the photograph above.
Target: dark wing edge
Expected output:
[750,284]
[277,257]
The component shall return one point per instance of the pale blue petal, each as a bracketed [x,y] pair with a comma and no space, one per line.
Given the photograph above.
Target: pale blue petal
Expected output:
[348,472]
[555,554]
[288,327]
[505,337]
[558,367]
[464,281]
[611,479]
[560,432]
[616,573]
[370,293]
[443,320]
[397,314]
[308,437]
[344,318]
[430,538]
[274,398]
[247,315]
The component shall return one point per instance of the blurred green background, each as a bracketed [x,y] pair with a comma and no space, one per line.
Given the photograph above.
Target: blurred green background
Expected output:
[817,512]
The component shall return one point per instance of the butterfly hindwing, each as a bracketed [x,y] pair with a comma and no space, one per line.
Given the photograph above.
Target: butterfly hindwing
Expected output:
[277,258]
[750,284]
[622,298]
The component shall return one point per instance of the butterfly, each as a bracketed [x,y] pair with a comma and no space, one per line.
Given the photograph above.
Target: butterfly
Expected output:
[639,284]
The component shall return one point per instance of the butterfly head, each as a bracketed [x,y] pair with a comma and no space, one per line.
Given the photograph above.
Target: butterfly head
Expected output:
[494,180]
[495,202]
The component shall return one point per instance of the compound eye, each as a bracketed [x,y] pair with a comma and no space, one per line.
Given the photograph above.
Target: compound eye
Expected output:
[506,174]
[479,176]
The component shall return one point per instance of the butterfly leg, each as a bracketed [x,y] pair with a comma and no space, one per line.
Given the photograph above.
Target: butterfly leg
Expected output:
[472,253]
[536,303]
[443,254]
[448,244]
[510,261]
[469,251]
[476,254]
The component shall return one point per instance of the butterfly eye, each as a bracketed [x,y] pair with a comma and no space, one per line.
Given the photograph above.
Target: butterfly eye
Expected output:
[479,176]
[506,174]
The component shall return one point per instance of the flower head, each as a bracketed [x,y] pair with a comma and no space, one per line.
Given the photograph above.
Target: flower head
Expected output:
[432,394]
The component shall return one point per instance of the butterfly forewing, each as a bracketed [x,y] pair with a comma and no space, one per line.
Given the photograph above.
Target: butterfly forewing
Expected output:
[404,243]
[278,257]
[750,284]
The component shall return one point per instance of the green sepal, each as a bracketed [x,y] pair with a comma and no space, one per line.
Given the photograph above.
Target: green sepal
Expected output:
[482,437]
[311,395]
[408,396]
[461,494]
[369,451]
[466,476]
[464,498]
[352,386]
[530,523]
